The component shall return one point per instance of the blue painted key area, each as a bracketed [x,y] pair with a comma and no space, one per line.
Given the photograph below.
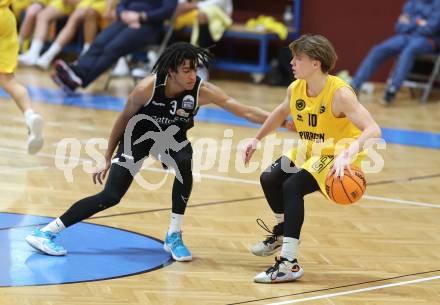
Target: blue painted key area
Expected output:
[94,252]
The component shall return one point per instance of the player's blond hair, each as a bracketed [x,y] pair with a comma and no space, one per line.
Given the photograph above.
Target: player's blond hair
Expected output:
[316,47]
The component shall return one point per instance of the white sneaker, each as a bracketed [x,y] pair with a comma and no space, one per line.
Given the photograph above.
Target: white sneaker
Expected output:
[282,271]
[43,62]
[174,244]
[273,241]
[35,139]
[121,68]
[44,241]
[27,59]
[141,72]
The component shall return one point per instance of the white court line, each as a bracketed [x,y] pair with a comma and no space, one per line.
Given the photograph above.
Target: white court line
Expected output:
[232,179]
[393,200]
[25,169]
[326,296]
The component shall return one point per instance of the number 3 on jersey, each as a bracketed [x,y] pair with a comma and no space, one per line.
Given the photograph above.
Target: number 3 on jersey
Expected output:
[173,107]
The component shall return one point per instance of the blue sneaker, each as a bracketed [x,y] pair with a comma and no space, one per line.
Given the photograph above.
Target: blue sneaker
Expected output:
[44,241]
[174,244]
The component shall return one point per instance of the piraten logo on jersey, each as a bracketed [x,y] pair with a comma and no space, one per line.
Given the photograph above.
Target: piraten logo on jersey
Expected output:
[300,104]
[188,102]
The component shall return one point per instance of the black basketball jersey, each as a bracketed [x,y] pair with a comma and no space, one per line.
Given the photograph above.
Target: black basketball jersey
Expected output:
[159,113]
[179,111]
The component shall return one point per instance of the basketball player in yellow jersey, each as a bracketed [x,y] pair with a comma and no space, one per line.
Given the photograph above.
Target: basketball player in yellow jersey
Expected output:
[8,63]
[325,110]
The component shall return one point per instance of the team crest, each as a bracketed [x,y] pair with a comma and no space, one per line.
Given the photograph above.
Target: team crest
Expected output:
[322,109]
[300,105]
[188,102]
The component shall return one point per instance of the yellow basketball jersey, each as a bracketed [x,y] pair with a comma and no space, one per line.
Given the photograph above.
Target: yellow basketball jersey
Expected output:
[315,121]
[320,131]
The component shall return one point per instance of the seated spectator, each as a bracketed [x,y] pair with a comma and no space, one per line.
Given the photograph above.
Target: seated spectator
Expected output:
[87,12]
[418,32]
[139,24]
[56,10]
[209,19]
[28,23]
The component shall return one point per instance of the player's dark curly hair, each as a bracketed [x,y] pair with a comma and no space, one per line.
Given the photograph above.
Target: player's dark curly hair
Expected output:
[174,55]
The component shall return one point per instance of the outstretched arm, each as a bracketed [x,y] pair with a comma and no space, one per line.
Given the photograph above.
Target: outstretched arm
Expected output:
[210,93]
[275,119]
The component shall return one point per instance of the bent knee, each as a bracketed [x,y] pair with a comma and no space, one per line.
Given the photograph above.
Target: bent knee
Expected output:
[108,200]
[90,14]
[266,179]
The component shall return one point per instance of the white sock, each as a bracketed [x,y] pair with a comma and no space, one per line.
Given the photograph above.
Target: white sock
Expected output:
[55,226]
[28,115]
[175,223]
[36,47]
[53,51]
[290,248]
[86,47]
[279,218]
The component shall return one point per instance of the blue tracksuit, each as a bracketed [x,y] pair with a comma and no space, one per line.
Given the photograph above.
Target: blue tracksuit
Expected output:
[411,40]
[119,39]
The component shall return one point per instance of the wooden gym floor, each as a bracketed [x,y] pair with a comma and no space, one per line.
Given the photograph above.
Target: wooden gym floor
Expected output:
[383,250]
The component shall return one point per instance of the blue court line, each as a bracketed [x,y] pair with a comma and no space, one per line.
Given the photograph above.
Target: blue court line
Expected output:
[212,115]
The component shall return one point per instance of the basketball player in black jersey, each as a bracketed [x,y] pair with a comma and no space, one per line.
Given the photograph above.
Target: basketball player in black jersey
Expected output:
[162,106]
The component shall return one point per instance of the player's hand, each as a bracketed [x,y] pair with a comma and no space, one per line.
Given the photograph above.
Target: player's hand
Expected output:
[404,18]
[341,163]
[101,172]
[185,7]
[109,14]
[135,25]
[421,22]
[130,18]
[249,150]
[290,125]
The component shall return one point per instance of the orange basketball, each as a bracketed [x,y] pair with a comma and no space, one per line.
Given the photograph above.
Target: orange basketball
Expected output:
[348,190]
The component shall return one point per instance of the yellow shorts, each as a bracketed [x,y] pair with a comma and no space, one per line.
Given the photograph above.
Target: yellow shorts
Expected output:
[186,19]
[19,6]
[98,5]
[8,41]
[42,2]
[60,6]
[319,166]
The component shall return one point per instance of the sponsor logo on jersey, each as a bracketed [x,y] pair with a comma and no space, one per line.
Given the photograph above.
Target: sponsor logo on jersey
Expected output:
[188,102]
[299,118]
[164,120]
[322,163]
[322,109]
[300,104]
[316,137]
[158,104]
